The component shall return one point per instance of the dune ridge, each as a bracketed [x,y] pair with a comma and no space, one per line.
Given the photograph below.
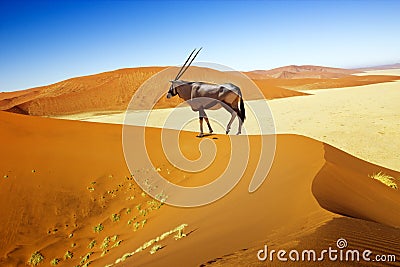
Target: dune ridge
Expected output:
[303,71]
[112,91]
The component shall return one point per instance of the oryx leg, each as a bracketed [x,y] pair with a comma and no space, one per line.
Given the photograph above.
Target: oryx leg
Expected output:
[203,115]
[240,126]
[201,127]
[233,113]
[209,125]
[228,127]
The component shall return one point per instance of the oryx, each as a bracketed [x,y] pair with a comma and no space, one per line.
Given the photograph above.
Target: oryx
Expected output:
[203,95]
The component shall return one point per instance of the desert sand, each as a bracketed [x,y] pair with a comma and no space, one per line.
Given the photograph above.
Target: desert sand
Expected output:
[394,72]
[361,120]
[62,178]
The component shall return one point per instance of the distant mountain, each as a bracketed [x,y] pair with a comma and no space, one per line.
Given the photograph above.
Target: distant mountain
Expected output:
[298,72]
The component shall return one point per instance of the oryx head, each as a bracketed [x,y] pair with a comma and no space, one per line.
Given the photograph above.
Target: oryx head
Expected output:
[176,83]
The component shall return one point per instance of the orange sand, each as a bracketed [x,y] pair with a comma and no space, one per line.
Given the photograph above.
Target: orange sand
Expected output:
[313,195]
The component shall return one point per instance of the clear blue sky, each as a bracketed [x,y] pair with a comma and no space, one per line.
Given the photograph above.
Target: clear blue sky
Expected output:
[48,41]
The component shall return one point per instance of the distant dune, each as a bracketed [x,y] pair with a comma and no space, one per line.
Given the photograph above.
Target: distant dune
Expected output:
[105,91]
[381,67]
[61,178]
[112,91]
[298,72]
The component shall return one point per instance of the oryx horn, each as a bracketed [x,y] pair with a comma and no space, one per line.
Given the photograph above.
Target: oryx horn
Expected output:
[183,69]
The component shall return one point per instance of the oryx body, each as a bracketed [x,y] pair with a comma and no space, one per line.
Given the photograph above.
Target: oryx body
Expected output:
[203,95]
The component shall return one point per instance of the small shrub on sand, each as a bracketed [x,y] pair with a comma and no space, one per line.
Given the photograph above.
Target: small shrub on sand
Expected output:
[115,217]
[151,242]
[105,243]
[68,255]
[90,188]
[36,258]
[143,213]
[98,228]
[385,179]
[114,238]
[54,262]
[116,244]
[92,244]
[136,226]
[104,253]
[155,248]
[85,258]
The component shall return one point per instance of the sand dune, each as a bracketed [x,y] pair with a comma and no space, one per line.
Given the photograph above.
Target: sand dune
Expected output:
[61,178]
[381,67]
[110,91]
[361,120]
[393,72]
[298,72]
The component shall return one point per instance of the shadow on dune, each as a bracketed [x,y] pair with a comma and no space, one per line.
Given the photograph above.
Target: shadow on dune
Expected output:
[342,186]
[360,235]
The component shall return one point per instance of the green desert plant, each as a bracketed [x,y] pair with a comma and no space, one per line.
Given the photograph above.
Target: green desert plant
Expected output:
[162,197]
[149,243]
[85,258]
[36,258]
[104,252]
[385,179]
[143,213]
[68,255]
[98,228]
[105,243]
[114,238]
[136,225]
[115,217]
[155,248]
[180,234]
[116,244]
[92,244]
[54,262]
[154,204]
[128,210]
[90,188]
